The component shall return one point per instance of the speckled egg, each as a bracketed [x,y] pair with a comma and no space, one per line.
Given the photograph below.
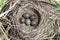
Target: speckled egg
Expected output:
[22,20]
[27,21]
[26,15]
[33,17]
[34,23]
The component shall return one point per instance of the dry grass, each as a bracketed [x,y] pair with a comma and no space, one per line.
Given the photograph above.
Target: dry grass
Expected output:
[47,28]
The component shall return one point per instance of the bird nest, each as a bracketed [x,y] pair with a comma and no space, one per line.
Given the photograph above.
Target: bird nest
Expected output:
[19,24]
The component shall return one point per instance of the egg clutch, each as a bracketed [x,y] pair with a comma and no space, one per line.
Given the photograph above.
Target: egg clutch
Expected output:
[29,19]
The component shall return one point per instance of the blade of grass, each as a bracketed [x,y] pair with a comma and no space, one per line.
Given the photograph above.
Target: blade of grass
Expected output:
[2,2]
[55,4]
